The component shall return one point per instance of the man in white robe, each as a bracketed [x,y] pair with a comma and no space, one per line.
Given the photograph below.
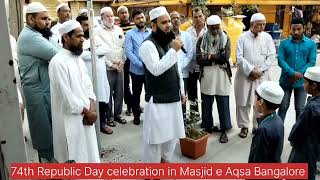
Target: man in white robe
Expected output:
[72,98]
[64,14]
[103,88]
[163,120]
[255,53]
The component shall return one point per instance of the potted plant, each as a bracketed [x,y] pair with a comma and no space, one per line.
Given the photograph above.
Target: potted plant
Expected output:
[195,143]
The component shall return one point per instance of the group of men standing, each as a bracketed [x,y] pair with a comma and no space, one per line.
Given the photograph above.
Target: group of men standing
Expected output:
[167,61]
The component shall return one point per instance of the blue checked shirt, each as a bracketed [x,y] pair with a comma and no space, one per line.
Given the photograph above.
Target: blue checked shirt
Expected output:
[132,43]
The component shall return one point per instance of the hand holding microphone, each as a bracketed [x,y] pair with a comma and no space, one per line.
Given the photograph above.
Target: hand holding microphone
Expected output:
[174,37]
[177,44]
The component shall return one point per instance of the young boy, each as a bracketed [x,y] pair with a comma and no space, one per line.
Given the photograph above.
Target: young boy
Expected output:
[267,142]
[305,134]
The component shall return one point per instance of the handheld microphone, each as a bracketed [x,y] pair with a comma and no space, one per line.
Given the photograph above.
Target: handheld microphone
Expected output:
[173,37]
[183,50]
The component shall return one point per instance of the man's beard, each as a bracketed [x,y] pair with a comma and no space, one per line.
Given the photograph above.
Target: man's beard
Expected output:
[46,32]
[141,25]
[296,37]
[86,34]
[108,24]
[77,51]
[163,38]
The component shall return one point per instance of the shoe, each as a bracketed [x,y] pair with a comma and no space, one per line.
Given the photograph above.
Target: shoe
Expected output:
[106,130]
[128,112]
[223,138]
[136,121]
[243,133]
[120,120]
[111,123]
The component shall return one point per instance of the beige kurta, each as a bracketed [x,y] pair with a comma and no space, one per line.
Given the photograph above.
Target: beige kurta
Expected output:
[71,88]
[215,80]
[114,40]
[252,53]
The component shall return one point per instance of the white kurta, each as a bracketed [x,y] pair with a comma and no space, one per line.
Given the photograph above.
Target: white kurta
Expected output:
[252,53]
[162,122]
[71,88]
[114,40]
[56,37]
[103,88]
[184,59]
[193,32]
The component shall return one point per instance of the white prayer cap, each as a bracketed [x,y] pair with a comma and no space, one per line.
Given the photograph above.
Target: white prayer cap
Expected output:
[157,12]
[257,17]
[69,26]
[60,6]
[313,73]
[106,9]
[213,20]
[270,91]
[84,10]
[122,7]
[35,7]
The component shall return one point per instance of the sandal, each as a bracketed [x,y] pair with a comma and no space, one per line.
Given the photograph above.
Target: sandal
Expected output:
[243,133]
[111,123]
[223,138]
[120,120]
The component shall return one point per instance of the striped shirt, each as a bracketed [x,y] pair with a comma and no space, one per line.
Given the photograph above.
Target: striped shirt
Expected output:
[127,27]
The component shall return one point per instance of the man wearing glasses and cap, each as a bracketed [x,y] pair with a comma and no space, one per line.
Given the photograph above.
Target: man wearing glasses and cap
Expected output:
[213,53]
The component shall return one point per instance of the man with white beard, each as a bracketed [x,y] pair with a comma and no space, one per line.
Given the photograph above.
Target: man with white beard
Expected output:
[255,54]
[112,35]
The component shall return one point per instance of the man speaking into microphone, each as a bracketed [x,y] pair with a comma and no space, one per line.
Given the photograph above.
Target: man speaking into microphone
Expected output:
[164,89]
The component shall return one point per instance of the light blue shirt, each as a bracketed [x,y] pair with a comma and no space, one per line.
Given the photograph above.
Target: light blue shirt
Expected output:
[184,59]
[132,43]
[295,57]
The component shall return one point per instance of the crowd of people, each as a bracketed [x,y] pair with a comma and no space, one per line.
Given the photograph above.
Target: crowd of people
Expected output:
[56,76]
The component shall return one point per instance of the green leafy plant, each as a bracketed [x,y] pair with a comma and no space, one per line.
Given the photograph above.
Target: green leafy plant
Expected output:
[191,121]
[199,3]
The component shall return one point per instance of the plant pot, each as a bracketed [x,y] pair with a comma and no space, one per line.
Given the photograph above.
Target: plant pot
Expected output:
[194,148]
